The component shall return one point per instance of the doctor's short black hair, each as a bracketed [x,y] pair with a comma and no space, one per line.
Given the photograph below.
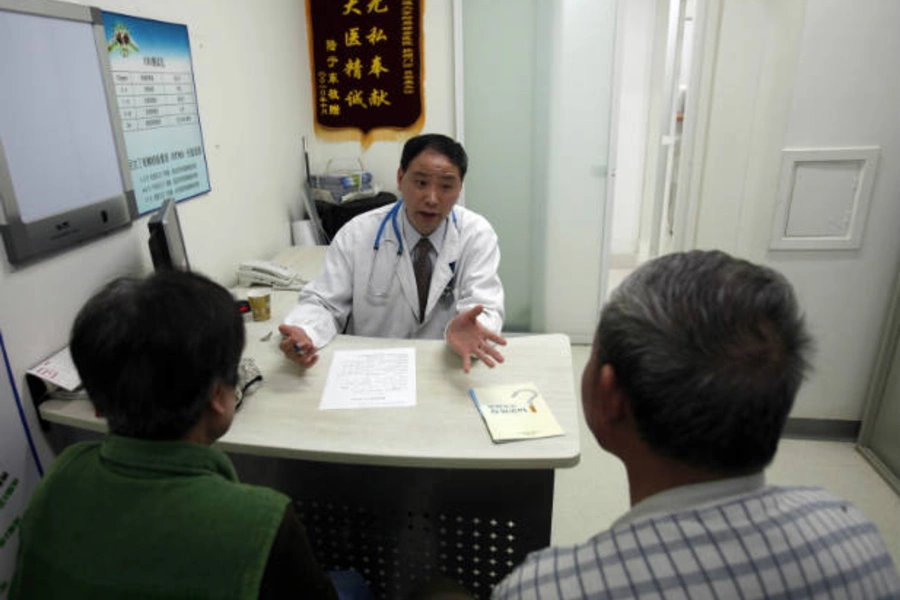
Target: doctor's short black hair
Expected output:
[439,143]
[149,351]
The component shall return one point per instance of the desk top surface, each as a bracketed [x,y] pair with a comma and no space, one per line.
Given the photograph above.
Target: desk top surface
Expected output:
[443,430]
[306,260]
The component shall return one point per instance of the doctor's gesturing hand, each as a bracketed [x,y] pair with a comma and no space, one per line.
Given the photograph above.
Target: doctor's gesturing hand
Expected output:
[468,337]
[297,346]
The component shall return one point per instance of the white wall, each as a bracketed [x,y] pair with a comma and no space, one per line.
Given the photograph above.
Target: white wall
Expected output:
[499,39]
[574,194]
[656,126]
[808,74]
[251,66]
[634,58]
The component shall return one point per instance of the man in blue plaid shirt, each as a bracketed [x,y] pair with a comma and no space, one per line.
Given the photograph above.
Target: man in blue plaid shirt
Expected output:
[694,369]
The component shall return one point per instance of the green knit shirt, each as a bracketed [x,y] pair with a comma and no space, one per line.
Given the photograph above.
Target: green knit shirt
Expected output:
[128,518]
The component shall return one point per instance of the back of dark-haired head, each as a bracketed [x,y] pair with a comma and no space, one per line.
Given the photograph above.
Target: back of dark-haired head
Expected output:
[150,350]
[439,143]
[710,351]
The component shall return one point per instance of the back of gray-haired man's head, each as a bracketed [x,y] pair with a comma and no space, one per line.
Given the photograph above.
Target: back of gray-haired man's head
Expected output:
[710,351]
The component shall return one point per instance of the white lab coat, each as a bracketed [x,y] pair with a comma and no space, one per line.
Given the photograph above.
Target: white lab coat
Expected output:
[342,296]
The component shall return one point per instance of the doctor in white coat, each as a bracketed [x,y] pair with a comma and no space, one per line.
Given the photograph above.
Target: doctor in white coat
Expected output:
[368,287]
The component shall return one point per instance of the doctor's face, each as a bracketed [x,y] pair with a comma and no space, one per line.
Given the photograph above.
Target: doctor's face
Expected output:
[429,188]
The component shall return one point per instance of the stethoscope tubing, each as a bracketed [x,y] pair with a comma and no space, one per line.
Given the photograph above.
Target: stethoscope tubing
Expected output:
[392,217]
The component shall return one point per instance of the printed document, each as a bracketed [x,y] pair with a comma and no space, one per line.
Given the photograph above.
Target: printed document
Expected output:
[370,379]
[58,370]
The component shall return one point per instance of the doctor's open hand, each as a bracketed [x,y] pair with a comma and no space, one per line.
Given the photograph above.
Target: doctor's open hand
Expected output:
[470,338]
[297,346]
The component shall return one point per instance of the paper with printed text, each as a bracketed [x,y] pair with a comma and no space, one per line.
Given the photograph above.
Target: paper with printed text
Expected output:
[370,379]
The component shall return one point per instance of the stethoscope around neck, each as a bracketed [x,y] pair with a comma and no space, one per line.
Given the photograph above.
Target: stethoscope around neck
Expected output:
[386,272]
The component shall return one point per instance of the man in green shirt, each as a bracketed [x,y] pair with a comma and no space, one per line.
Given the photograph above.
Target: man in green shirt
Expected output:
[153,511]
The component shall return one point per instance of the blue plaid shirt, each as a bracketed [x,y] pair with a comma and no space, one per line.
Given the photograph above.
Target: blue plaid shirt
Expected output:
[733,538]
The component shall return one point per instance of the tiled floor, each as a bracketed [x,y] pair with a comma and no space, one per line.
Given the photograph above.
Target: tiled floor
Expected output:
[590,496]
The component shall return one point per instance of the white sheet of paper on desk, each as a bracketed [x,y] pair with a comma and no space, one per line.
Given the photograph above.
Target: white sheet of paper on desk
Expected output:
[370,379]
[58,370]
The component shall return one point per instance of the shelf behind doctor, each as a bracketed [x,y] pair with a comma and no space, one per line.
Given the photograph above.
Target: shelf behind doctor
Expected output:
[367,285]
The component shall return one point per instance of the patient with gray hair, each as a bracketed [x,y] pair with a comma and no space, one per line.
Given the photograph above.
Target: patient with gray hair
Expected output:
[695,365]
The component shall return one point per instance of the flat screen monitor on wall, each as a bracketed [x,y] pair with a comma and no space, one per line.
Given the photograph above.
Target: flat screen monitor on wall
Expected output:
[166,240]
[63,171]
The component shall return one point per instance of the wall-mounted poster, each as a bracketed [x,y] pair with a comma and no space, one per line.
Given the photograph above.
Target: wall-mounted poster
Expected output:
[367,68]
[20,470]
[154,80]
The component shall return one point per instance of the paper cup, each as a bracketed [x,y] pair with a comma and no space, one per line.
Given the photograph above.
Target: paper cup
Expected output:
[260,304]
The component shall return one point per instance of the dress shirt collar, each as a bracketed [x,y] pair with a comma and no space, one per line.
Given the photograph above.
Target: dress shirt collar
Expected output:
[691,496]
[412,237]
[152,459]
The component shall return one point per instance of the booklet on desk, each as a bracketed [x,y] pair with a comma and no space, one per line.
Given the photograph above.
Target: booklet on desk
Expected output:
[515,412]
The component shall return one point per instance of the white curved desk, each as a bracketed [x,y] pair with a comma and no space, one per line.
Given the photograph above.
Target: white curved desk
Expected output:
[443,430]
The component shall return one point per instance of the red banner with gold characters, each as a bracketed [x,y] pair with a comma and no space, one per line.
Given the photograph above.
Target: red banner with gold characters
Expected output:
[367,67]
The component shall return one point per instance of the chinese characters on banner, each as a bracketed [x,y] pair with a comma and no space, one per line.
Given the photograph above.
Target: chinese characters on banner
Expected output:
[367,65]
[154,82]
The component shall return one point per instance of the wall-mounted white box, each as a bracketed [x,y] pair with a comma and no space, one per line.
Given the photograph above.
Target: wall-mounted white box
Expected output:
[823,198]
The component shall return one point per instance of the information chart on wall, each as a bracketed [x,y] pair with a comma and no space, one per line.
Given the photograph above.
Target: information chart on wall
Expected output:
[154,80]
[19,470]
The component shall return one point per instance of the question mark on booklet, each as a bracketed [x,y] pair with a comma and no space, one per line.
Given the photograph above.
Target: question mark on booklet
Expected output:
[530,400]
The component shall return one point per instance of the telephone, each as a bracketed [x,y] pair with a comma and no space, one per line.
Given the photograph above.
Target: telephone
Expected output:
[269,273]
